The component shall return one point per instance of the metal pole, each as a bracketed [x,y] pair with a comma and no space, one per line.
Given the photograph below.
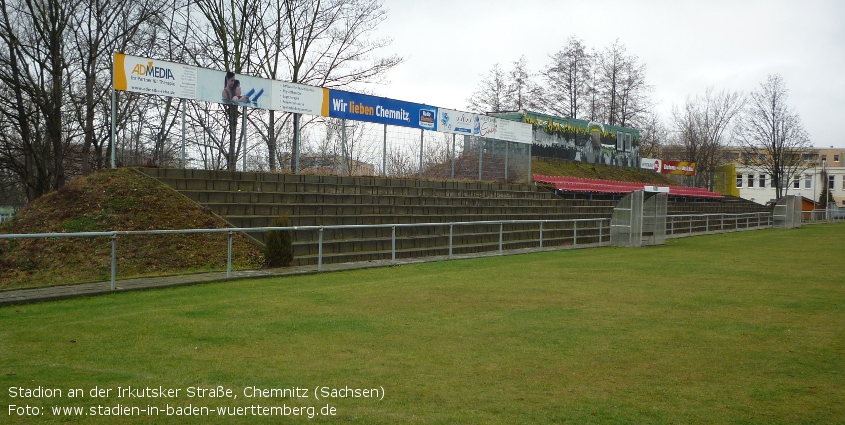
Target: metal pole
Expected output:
[541,234]
[393,246]
[450,241]
[184,103]
[507,145]
[706,224]
[600,230]
[243,136]
[320,252]
[574,233]
[453,156]
[343,147]
[113,125]
[480,153]
[529,163]
[113,257]
[384,154]
[500,236]
[296,140]
[422,134]
[229,257]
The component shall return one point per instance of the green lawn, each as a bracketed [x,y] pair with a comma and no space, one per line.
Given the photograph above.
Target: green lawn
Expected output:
[738,328]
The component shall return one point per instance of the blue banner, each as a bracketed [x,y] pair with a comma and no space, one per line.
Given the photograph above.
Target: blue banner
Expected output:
[362,107]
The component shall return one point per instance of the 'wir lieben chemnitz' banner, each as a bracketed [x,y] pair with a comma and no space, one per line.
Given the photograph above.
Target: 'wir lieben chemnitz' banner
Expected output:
[362,107]
[143,75]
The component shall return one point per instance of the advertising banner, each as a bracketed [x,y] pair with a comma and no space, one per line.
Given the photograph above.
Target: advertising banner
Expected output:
[362,107]
[678,167]
[135,74]
[450,121]
[651,164]
[300,98]
[234,89]
[142,75]
[496,128]
[514,131]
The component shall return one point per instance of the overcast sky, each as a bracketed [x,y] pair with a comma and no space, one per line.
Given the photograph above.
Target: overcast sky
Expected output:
[686,46]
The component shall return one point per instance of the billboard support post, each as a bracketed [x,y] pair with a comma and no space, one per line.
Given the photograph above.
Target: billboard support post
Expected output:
[384,154]
[343,147]
[113,125]
[183,133]
[422,134]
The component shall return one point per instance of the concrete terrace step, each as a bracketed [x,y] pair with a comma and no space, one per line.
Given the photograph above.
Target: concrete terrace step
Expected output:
[324,209]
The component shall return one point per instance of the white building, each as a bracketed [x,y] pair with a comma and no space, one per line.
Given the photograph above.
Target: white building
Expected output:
[757,186]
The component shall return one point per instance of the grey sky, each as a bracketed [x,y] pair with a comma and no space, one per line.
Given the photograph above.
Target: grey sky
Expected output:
[686,46]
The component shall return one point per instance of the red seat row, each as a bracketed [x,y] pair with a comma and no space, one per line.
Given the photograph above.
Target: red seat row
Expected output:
[577,184]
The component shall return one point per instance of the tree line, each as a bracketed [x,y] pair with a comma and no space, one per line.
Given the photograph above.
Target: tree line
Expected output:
[56,65]
[56,79]
[610,85]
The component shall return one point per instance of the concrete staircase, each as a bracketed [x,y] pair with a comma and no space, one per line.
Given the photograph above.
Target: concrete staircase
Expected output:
[253,199]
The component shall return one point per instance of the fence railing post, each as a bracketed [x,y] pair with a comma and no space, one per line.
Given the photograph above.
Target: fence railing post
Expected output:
[600,229]
[706,224]
[450,241]
[541,234]
[229,257]
[574,233]
[393,246]
[113,260]
[501,225]
[320,251]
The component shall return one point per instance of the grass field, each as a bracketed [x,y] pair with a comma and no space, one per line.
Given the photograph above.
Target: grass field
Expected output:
[737,328]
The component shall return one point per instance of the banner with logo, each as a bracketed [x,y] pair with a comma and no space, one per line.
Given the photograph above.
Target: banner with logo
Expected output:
[678,167]
[451,121]
[135,74]
[143,75]
[502,129]
[363,107]
[651,164]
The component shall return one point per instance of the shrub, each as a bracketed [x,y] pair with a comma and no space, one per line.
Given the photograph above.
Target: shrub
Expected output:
[278,251]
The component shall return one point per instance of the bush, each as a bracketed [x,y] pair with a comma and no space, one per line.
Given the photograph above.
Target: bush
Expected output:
[278,251]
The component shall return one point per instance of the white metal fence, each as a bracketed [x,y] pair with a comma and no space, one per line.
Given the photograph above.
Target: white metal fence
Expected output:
[584,232]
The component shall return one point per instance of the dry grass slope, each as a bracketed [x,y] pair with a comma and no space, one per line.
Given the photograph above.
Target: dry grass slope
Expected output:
[113,200]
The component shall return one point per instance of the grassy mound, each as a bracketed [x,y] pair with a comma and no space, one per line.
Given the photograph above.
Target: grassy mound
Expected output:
[119,200]
[556,167]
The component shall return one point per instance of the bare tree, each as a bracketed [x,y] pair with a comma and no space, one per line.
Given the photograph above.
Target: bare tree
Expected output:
[702,125]
[567,80]
[620,85]
[33,73]
[491,94]
[330,44]
[654,134]
[99,28]
[772,135]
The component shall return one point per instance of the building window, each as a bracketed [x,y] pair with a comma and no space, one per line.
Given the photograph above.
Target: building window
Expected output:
[739,180]
[835,158]
[796,182]
[824,158]
[762,181]
[620,141]
[729,156]
[808,181]
[751,180]
[628,142]
[831,181]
